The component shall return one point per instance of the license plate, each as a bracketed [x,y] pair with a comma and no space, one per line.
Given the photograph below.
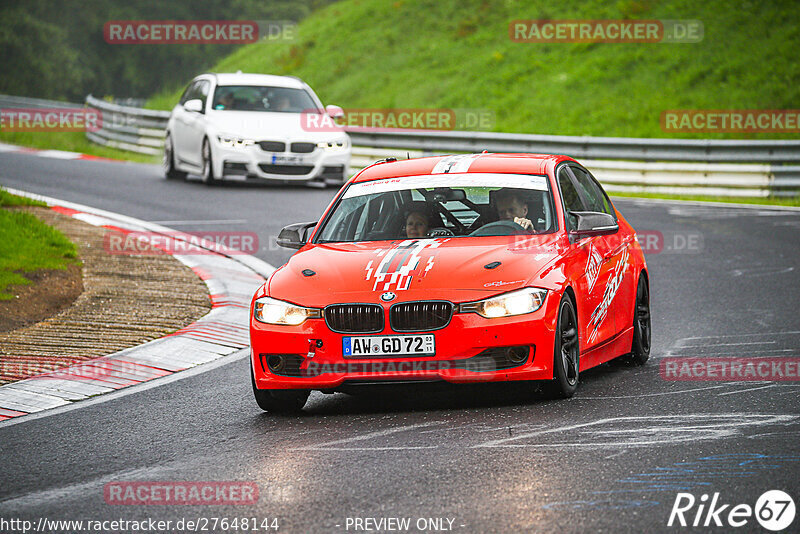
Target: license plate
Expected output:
[290,160]
[378,346]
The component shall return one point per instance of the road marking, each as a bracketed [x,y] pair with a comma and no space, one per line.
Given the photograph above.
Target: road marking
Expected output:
[644,431]
[330,445]
[728,344]
[748,389]
[743,335]
[690,390]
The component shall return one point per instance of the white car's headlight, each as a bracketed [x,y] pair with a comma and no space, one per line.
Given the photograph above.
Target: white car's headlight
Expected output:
[234,141]
[273,311]
[518,302]
[337,144]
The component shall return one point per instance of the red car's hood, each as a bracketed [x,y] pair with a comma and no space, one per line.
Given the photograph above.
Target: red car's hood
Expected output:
[451,269]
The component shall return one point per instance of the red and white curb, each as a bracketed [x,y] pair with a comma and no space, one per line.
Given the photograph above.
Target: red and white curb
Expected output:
[54,154]
[231,281]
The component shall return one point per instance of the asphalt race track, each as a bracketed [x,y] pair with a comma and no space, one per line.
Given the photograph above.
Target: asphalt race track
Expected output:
[482,458]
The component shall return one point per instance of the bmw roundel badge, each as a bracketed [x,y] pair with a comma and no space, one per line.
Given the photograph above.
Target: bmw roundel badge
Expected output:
[388,296]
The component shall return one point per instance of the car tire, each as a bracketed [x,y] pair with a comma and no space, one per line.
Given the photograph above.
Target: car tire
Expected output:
[208,165]
[566,352]
[279,400]
[640,348]
[170,171]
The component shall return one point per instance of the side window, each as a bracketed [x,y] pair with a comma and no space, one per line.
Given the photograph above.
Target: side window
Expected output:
[187,94]
[202,91]
[572,201]
[592,192]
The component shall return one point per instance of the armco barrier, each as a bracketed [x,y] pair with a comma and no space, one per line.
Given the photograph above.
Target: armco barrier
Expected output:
[675,166]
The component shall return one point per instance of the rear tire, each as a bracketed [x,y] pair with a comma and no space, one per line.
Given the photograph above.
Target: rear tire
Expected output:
[640,348]
[170,171]
[566,352]
[208,165]
[279,400]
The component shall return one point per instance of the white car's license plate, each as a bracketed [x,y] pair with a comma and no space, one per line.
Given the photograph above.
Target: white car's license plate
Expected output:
[290,160]
[378,346]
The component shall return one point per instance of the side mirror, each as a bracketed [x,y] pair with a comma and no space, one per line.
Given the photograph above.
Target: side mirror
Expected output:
[590,223]
[295,235]
[194,104]
[334,112]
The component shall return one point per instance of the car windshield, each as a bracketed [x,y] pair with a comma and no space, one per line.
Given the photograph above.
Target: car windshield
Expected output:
[258,98]
[457,205]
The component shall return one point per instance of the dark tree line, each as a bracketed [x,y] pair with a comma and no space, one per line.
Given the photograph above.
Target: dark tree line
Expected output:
[55,48]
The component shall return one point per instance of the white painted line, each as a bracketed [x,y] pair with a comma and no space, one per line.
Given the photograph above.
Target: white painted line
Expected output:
[729,344]
[691,390]
[740,354]
[331,445]
[58,154]
[745,390]
[765,334]
[657,430]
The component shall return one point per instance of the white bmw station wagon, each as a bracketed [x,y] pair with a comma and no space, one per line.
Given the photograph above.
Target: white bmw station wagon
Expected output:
[255,127]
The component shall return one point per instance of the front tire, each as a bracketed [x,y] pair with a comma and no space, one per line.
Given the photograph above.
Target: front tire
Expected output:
[640,348]
[279,400]
[566,352]
[171,172]
[208,165]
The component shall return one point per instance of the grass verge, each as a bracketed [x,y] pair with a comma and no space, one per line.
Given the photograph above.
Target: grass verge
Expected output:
[71,142]
[27,244]
[458,54]
[765,201]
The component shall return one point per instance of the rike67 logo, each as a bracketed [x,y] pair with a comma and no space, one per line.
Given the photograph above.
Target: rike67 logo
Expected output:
[774,510]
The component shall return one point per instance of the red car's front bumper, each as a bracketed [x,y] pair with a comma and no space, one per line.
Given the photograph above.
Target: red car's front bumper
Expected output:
[463,352]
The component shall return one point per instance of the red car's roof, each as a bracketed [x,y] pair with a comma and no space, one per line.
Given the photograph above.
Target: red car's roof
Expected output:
[502,163]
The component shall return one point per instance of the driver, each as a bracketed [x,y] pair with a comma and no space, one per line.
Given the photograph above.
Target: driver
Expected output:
[417,224]
[510,207]
[225,101]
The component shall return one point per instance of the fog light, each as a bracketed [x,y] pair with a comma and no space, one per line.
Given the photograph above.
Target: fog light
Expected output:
[517,354]
[276,362]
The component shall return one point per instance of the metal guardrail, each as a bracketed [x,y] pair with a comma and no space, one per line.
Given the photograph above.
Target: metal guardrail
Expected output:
[675,166]
[624,148]
[126,128]
[8,101]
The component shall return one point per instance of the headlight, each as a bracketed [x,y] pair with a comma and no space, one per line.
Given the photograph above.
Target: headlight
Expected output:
[338,144]
[517,302]
[234,141]
[272,311]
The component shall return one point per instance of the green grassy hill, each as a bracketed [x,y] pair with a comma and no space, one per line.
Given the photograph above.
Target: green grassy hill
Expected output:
[458,54]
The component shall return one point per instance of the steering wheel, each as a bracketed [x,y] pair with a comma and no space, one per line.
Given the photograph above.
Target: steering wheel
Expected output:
[499,228]
[440,231]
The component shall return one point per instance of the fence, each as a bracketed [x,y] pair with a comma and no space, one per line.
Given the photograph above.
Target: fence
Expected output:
[675,166]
